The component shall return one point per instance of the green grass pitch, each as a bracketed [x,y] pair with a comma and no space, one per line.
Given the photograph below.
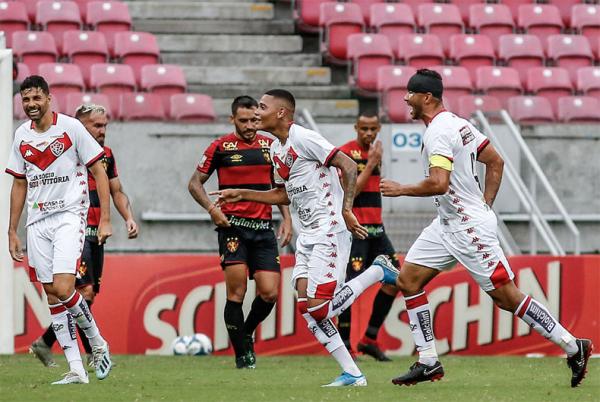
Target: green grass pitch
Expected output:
[298,378]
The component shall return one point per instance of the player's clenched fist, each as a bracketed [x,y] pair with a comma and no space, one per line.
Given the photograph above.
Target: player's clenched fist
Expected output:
[389,188]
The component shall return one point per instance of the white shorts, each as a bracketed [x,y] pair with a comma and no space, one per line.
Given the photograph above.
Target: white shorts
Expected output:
[322,260]
[54,245]
[477,248]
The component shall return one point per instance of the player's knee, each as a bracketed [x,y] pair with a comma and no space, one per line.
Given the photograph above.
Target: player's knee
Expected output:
[63,292]
[405,286]
[319,313]
[236,294]
[270,295]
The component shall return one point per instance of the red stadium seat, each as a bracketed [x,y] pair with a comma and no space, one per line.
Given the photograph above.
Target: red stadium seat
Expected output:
[82,4]
[34,48]
[192,107]
[31,7]
[530,109]
[521,52]
[13,18]
[549,82]
[137,49]
[571,52]
[85,48]
[514,5]
[365,8]
[420,50]
[586,20]
[57,17]
[541,20]
[62,79]
[443,20]
[164,80]
[457,82]
[368,52]
[23,72]
[109,17]
[468,104]
[588,81]
[493,20]
[112,80]
[306,14]
[499,82]
[18,112]
[565,8]
[472,51]
[76,99]
[464,7]
[391,84]
[392,20]
[578,109]
[141,106]
[338,21]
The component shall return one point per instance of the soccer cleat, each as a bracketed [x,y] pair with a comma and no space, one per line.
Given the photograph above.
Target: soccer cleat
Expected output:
[578,362]
[371,348]
[102,362]
[348,380]
[243,362]
[420,372]
[249,347]
[390,272]
[73,377]
[43,352]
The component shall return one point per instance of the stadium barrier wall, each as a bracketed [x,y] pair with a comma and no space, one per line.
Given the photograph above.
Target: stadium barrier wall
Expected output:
[148,299]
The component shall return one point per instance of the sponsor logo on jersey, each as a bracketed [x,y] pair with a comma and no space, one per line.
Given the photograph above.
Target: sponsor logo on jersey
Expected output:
[236,158]
[425,323]
[45,179]
[230,146]
[304,213]
[233,243]
[297,190]
[466,134]
[48,206]
[264,143]
[355,154]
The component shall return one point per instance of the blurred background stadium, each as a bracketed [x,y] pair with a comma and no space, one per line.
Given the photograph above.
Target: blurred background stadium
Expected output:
[527,72]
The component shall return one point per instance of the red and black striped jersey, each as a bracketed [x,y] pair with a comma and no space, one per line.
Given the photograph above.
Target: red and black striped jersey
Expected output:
[110,165]
[240,164]
[367,204]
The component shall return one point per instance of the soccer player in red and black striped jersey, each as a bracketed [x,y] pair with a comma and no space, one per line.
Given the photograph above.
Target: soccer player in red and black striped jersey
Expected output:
[94,118]
[247,242]
[366,152]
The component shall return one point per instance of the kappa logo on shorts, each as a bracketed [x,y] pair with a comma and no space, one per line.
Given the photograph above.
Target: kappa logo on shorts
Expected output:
[357,263]
[233,243]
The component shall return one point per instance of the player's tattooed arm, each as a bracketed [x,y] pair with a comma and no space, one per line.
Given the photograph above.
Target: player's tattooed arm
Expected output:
[494,166]
[348,169]
[103,188]
[196,189]
[18,193]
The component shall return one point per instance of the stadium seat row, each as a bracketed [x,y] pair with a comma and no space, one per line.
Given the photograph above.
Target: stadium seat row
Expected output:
[86,48]
[56,17]
[186,107]
[523,109]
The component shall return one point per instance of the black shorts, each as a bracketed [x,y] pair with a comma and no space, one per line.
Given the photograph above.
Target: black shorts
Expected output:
[92,261]
[363,252]
[255,248]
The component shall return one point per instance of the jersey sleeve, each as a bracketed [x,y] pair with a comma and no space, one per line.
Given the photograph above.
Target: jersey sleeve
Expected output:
[208,162]
[111,170]
[439,150]
[88,149]
[276,178]
[480,140]
[16,163]
[316,147]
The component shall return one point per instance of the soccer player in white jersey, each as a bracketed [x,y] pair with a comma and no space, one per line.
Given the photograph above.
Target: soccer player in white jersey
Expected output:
[49,160]
[464,231]
[306,171]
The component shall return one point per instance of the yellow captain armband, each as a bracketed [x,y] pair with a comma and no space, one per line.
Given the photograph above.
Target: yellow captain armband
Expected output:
[441,162]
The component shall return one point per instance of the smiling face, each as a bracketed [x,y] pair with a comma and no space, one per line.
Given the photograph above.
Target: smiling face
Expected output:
[367,129]
[246,123]
[36,103]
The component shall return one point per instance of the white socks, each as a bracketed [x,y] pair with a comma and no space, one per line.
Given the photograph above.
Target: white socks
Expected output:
[540,319]
[82,314]
[66,335]
[421,327]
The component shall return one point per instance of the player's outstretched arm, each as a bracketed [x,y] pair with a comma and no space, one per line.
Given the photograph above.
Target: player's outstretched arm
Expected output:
[348,169]
[18,193]
[103,188]
[436,184]
[494,166]
[123,205]
[275,196]
[196,189]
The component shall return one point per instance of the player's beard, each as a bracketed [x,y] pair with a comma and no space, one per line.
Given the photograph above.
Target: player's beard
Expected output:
[416,111]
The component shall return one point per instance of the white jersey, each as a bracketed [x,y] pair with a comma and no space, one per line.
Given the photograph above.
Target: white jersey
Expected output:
[54,163]
[313,187]
[457,140]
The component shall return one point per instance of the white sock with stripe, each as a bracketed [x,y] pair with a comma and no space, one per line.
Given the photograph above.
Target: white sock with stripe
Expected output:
[63,326]
[83,316]
[421,327]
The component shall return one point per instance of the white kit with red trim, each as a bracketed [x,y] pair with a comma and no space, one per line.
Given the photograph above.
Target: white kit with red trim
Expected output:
[460,142]
[55,165]
[302,164]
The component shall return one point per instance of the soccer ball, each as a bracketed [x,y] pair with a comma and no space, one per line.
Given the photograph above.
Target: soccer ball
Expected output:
[179,346]
[199,345]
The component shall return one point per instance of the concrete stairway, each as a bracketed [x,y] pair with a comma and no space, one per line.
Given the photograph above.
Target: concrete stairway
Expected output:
[243,47]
